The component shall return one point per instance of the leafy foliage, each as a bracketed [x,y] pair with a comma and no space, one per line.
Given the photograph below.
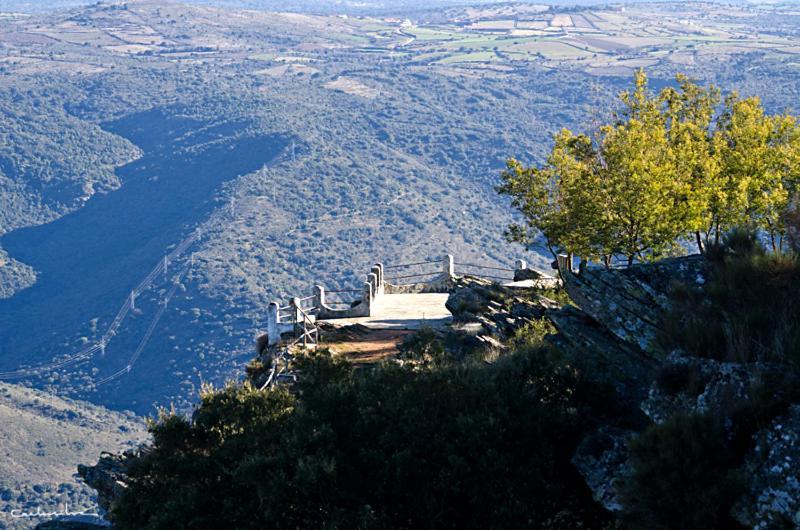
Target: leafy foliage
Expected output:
[683,476]
[663,170]
[446,446]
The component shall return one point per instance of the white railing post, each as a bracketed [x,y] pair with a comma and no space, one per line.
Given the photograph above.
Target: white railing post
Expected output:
[273,321]
[298,316]
[381,278]
[319,297]
[448,267]
[376,270]
[367,297]
[372,281]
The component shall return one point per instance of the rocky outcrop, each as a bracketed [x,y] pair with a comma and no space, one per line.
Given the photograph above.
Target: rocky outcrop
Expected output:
[107,476]
[629,302]
[493,313]
[615,329]
[601,353]
[521,275]
[690,385]
[602,460]
[472,297]
[772,469]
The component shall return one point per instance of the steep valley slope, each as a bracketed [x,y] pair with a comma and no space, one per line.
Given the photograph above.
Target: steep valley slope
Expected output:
[42,441]
[286,150]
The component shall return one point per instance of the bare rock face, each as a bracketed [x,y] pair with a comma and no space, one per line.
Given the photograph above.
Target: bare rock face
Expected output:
[472,297]
[772,500]
[499,310]
[521,275]
[602,460]
[629,302]
[691,385]
[107,477]
[602,353]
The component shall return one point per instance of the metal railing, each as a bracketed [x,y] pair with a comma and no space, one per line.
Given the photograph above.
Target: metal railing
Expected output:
[480,267]
[306,332]
[407,276]
[404,265]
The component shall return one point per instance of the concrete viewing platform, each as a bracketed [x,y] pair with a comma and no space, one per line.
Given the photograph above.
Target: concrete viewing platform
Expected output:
[374,319]
[396,297]
[403,311]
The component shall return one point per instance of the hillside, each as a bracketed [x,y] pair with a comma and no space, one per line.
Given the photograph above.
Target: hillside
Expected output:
[287,150]
[596,405]
[42,441]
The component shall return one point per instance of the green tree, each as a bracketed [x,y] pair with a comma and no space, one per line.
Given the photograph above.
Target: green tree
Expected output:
[557,200]
[690,111]
[760,158]
[643,186]
[665,170]
[619,194]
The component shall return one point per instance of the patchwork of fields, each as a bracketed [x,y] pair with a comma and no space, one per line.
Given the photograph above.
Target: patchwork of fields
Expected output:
[601,41]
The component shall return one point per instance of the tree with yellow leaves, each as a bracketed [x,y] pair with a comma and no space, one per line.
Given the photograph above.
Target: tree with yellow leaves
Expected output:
[671,166]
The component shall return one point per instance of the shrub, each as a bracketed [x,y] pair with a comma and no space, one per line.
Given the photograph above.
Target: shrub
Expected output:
[454,446]
[748,311]
[684,476]
[424,346]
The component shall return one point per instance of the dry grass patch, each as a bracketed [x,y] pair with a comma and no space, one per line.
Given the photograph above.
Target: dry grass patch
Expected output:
[353,87]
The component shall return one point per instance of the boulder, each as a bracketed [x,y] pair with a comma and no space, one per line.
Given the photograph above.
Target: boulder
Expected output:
[602,354]
[772,470]
[691,385]
[520,275]
[472,297]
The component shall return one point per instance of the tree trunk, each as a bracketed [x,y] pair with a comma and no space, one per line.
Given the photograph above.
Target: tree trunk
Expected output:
[700,246]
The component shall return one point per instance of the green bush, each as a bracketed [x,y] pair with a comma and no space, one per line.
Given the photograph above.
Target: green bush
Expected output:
[425,347]
[684,476]
[748,311]
[451,446]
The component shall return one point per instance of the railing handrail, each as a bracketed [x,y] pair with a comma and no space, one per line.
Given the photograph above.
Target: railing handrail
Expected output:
[477,266]
[420,275]
[411,264]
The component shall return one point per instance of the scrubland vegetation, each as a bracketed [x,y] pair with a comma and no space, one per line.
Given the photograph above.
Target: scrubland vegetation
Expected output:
[449,440]
[396,133]
[447,444]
